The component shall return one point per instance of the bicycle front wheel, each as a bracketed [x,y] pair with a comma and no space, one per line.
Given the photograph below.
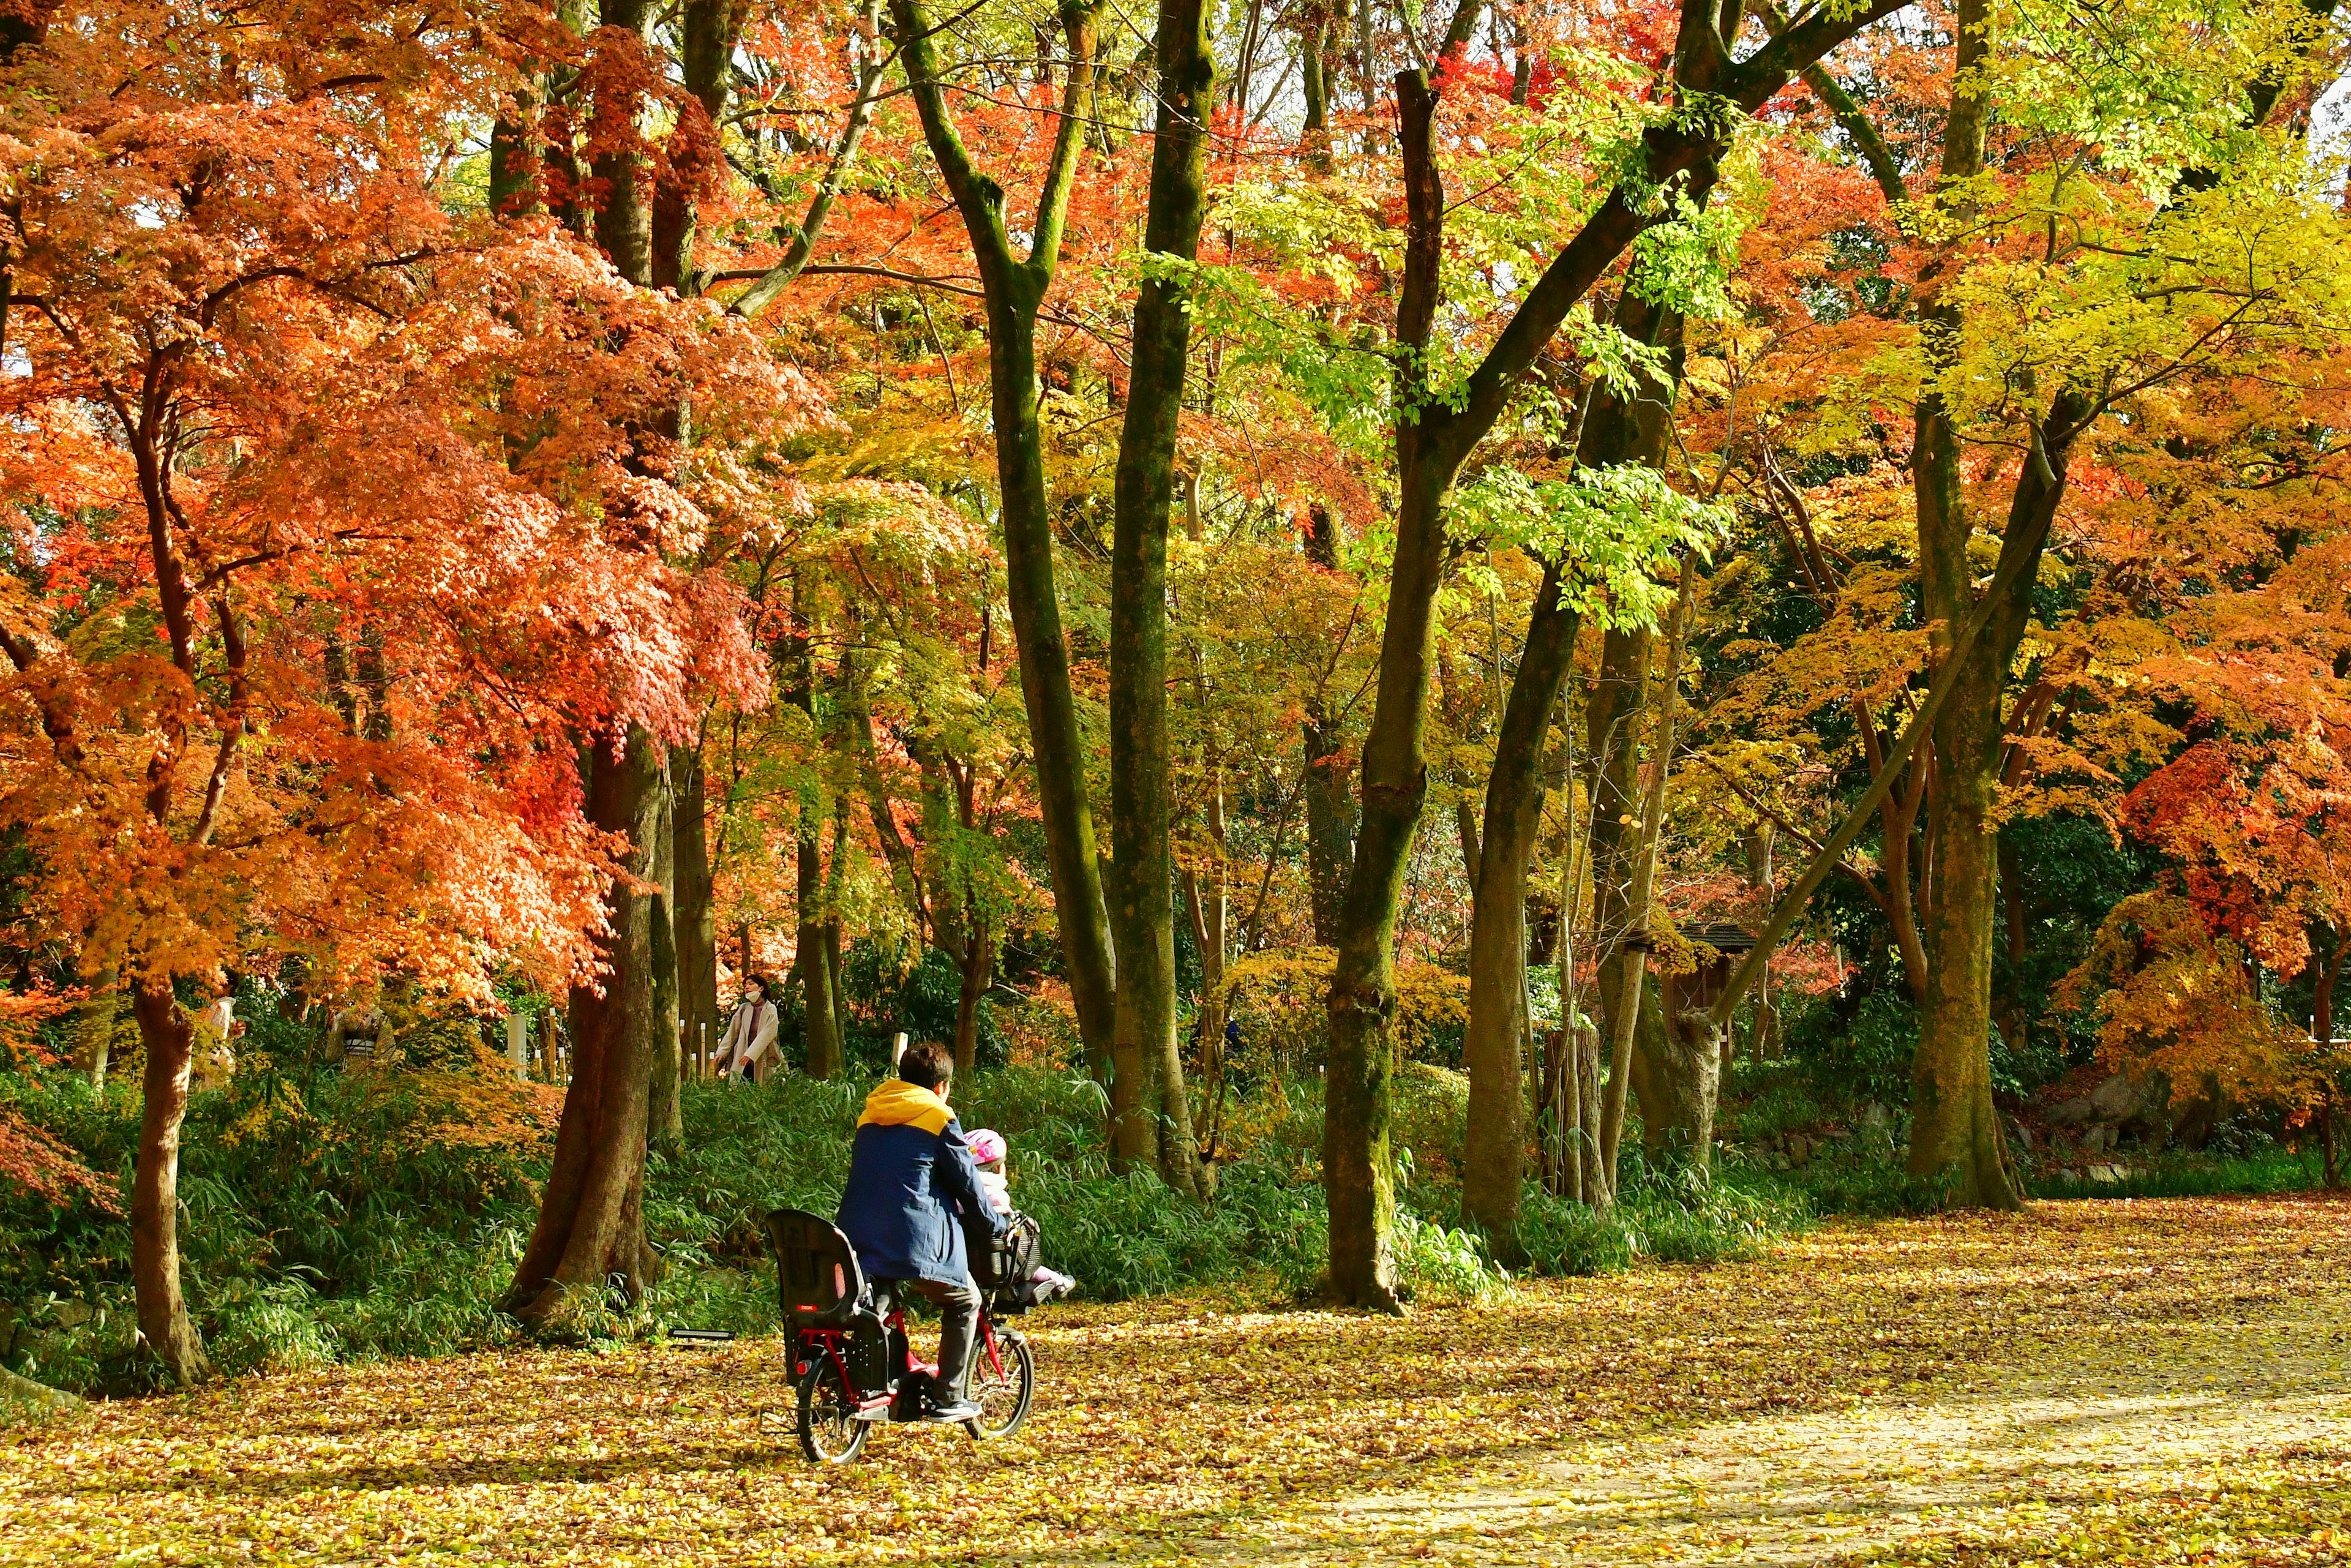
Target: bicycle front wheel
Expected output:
[1003,1384]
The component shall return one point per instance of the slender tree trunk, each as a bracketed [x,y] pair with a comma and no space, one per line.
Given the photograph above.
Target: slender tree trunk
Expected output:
[591,1222]
[1141,855]
[1015,289]
[93,1027]
[1358,1170]
[2015,1016]
[696,919]
[1330,803]
[821,1008]
[707,33]
[1315,84]
[625,223]
[2321,998]
[1633,947]
[168,1036]
[1358,1173]
[1494,1137]
[978,968]
[1613,718]
[665,1114]
[1203,901]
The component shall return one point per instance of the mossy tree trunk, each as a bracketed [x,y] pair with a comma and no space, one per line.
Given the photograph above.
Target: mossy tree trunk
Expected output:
[664,1116]
[1494,1136]
[695,918]
[1014,288]
[1141,855]
[168,1036]
[590,1229]
[1329,807]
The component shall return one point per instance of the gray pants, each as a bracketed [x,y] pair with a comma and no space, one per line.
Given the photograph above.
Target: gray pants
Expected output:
[958,1306]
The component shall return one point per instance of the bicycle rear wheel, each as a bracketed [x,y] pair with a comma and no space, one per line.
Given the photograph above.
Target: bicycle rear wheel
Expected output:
[1003,1384]
[830,1433]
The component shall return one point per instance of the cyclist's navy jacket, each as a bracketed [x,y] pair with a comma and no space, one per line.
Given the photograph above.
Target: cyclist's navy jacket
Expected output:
[909,1171]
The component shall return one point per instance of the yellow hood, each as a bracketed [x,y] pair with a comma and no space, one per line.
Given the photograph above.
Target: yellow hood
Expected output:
[898,1103]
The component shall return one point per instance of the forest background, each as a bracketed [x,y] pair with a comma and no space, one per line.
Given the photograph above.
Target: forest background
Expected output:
[1353,604]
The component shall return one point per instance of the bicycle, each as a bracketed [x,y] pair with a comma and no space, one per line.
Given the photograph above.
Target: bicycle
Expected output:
[852,1365]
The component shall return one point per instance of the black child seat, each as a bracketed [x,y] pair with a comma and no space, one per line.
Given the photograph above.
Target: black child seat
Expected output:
[819,1286]
[817,1282]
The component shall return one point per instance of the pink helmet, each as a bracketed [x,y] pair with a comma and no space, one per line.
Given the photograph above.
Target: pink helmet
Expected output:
[987,1145]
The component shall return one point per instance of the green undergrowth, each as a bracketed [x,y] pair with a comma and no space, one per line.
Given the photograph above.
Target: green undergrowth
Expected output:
[330,1219]
[2141,1174]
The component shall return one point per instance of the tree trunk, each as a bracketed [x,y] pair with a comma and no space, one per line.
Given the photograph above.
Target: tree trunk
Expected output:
[624,227]
[590,1232]
[1014,290]
[979,967]
[664,1119]
[1954,1128]
[2015,1016]
[2322,997]
[1635,946]
[694,918]
[707,45]
[1760,879]
[1142,856]
[1330,804]
[820,1008]
[93,1027]
[1358,1174]
[168,1038]
[1587,1077]
[1677,1074]
[1494,1137]
[1204,901]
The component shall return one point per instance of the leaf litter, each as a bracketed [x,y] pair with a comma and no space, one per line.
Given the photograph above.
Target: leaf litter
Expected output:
[2147,1382]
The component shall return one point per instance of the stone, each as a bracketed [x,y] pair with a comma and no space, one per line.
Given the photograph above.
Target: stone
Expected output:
[1799,1148]
[2127,1097]
[24,1392]
[2071,1112]
[2105,1174]
[1877,1118]
[72,1315]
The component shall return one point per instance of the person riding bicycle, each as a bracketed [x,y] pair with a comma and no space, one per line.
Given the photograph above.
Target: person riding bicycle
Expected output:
[909,1173]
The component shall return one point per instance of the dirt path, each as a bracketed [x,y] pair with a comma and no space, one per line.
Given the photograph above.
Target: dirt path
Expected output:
[2152,1383]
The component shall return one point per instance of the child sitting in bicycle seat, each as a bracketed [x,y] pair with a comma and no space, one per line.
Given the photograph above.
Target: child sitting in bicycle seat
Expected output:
[989,1150]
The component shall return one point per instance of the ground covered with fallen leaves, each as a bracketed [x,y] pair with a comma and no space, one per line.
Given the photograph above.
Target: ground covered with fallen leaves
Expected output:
[2152,1382]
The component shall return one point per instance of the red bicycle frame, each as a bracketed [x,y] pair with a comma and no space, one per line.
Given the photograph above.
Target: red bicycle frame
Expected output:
[828,1343]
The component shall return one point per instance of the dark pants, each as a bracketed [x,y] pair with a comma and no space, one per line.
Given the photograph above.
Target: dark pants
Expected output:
[958,1306]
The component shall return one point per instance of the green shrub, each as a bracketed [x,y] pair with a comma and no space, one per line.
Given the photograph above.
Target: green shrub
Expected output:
[1782,1099]
[1675,1216]
[2183,1175]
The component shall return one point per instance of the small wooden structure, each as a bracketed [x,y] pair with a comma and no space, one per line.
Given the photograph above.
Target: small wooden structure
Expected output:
[1700,988]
